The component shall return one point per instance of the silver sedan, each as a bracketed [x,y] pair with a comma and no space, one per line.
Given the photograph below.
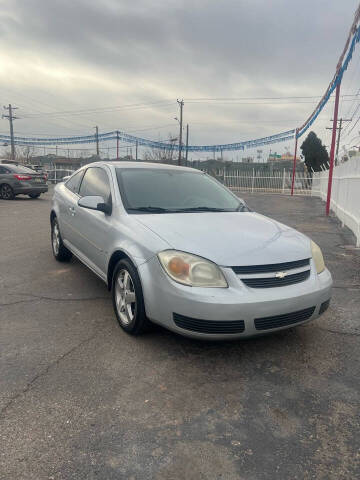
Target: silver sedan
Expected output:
[177,248]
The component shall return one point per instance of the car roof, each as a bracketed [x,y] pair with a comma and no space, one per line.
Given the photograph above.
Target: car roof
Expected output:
[149,165]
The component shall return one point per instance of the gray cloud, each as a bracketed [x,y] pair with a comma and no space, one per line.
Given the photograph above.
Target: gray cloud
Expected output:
[64,54]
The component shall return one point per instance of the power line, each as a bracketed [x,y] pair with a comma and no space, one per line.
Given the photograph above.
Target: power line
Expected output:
[235,101]
[213,99]
[357,121]
[135,106]
[265,103]
[339,128]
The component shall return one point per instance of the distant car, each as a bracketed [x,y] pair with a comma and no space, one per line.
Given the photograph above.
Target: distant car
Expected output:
[38,169]
[59,175]
[177,247]
[16,180]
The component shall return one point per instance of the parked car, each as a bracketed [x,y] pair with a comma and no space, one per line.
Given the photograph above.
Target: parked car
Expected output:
[176,247]
[17,179]
[39,169]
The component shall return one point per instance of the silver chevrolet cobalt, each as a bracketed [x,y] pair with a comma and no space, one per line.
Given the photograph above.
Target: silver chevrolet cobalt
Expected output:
[177,248]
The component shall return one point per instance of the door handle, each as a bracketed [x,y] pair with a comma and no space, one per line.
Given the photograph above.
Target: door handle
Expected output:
[72,210]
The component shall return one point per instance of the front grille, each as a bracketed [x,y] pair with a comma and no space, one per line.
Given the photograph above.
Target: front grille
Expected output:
[271,282]
[272,267]
[324,306]
[209,326]
[278,321]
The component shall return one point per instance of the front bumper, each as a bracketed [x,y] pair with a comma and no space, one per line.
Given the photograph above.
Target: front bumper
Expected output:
[164,297]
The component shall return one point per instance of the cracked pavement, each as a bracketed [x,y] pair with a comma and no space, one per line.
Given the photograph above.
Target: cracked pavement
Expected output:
[80,399]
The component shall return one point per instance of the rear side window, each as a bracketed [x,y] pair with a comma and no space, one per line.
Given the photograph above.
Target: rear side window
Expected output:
[73,183]
[20,169]
[95,182]
[4,170]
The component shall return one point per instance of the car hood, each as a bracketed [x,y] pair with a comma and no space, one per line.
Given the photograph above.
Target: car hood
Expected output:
[230,238]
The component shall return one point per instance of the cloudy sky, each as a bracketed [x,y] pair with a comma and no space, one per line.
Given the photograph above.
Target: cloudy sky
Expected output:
[72,64]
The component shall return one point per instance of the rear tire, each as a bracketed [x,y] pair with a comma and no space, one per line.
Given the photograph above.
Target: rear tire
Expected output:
[6,192]
[34,195]
[128,299]
[61,253]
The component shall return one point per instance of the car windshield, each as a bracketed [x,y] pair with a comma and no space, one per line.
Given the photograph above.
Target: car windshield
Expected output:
[145,190]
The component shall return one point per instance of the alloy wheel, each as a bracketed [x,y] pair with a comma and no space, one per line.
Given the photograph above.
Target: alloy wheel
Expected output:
[125,297]
[6,192]
[56,238]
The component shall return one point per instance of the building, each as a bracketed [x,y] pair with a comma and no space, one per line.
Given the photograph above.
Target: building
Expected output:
[285,157]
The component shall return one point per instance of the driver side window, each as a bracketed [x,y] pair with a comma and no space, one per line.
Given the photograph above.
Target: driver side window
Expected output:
[96,182]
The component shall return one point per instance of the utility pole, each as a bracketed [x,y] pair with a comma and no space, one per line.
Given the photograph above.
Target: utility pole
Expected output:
[332,148]
[339,128]
[117,145]
[181,104]
[97,140]
[187,144]
[136,150]
[11,117]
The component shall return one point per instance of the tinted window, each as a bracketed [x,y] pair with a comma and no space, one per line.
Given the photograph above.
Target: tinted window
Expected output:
[173,189]
[95,182]
[4,170]
[74,182]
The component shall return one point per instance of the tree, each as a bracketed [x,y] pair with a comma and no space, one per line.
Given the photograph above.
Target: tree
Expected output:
[163,155]
[314,152]
[26,153]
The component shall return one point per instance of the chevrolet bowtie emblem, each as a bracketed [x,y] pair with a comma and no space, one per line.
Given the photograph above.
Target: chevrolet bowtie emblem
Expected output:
[281,274]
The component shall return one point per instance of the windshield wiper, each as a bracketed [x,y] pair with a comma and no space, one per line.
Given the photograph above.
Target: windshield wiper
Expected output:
[149,209]
[202,209]
[242,208]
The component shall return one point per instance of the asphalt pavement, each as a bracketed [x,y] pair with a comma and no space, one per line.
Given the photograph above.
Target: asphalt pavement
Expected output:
[81,399]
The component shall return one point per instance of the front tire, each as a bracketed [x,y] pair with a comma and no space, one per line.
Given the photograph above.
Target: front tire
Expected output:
[61,253]
[6,192]
[128,299]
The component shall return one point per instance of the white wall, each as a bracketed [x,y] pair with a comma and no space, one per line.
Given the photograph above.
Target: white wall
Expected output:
[345,196]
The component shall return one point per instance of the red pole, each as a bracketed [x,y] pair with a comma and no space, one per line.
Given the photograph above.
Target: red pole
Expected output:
[294,164]
[117,145]
[332,150]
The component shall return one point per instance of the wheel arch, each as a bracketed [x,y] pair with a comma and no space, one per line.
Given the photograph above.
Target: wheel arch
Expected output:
[114,259]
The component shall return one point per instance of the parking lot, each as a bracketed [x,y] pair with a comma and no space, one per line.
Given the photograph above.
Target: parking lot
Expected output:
[80,399]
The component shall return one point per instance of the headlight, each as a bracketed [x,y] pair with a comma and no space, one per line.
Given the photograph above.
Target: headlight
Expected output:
[318,257]
[191,270]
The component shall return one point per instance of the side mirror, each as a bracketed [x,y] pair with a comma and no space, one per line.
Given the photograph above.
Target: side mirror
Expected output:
[94,202]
